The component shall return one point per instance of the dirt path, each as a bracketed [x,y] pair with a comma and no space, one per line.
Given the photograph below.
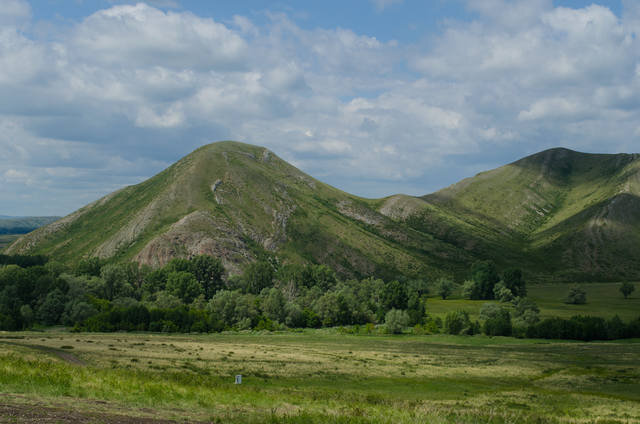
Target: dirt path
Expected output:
[27,414]
[62,354]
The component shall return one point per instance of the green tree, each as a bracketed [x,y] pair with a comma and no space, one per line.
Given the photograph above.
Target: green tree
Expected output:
[183,285]
[513,280]
[273,304]
[234,308]
[208,271]
[485,275]
[527,311]
[576,296]
[626,289]
[458,322]
[497,320]
[78,311]
[295,316]
[502,293]
[51,309]
[178,265]
[115,281]
[155,281]
[165,300]
[416,308]
[444,287]
[89,266]
[27,315]
[470,290]
[257,276]
[395,321]
[394,296]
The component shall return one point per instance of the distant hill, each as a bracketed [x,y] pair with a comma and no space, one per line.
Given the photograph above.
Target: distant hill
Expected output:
[558,214]
[561,214]
[25,224]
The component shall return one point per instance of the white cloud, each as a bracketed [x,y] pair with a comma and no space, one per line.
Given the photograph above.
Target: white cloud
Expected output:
[172,117]
[14,12]
[553,108]
[130,89]
[141,35]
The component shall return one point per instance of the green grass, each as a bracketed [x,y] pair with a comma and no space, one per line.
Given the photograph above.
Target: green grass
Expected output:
[320,376]
[603,300]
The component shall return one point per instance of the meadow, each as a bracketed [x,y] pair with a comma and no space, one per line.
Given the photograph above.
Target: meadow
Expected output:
[316,376]
[603,300]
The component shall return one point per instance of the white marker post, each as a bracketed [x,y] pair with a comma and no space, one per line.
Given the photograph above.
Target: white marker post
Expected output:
[238,379]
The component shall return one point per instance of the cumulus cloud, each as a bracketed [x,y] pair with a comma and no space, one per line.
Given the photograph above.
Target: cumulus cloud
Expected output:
[129,89]
[141,35]
[14,12]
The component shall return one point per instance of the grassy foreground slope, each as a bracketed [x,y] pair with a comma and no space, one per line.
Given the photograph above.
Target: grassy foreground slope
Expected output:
[319,376]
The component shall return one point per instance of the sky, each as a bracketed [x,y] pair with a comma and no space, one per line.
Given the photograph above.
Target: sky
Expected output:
[375,97]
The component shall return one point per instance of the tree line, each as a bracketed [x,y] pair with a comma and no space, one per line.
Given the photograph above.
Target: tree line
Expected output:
[193,295]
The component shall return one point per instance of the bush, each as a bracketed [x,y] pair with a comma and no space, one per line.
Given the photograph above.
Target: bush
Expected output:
[626,289]
[502,293]
[470,290]
[497,320]
[458,322]
[395,321]
[576,296]
[444,287]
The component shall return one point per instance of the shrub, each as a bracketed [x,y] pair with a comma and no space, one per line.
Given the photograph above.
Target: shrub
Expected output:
[458,322]
[626,289]
[497,320]
[444,287]
[395,321]
[576,296]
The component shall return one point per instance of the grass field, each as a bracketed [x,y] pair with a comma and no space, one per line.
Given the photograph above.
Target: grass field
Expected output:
[6,239]
[603,299]
[318,376]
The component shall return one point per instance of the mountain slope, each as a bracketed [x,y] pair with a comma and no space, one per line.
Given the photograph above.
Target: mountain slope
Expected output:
[237,201]
[558,214]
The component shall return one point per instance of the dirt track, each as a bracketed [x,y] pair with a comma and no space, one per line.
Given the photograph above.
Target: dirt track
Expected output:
[48,415]
[65,356]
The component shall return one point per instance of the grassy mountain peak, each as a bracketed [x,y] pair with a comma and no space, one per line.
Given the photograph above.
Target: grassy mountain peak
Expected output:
[558,214]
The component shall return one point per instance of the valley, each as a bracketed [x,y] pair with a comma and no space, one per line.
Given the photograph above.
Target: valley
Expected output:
[317,376]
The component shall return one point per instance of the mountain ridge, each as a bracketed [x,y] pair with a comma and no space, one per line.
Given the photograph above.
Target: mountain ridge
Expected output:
[239,201]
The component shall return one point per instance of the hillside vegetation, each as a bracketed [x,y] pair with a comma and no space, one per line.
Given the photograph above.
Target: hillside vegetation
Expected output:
[559,215]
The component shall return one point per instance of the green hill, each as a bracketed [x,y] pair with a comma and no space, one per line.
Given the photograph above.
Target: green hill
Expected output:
[236,201]
[558,214]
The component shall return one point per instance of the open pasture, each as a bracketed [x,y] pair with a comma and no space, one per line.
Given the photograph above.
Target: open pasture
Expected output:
[603,300]
[319,376]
